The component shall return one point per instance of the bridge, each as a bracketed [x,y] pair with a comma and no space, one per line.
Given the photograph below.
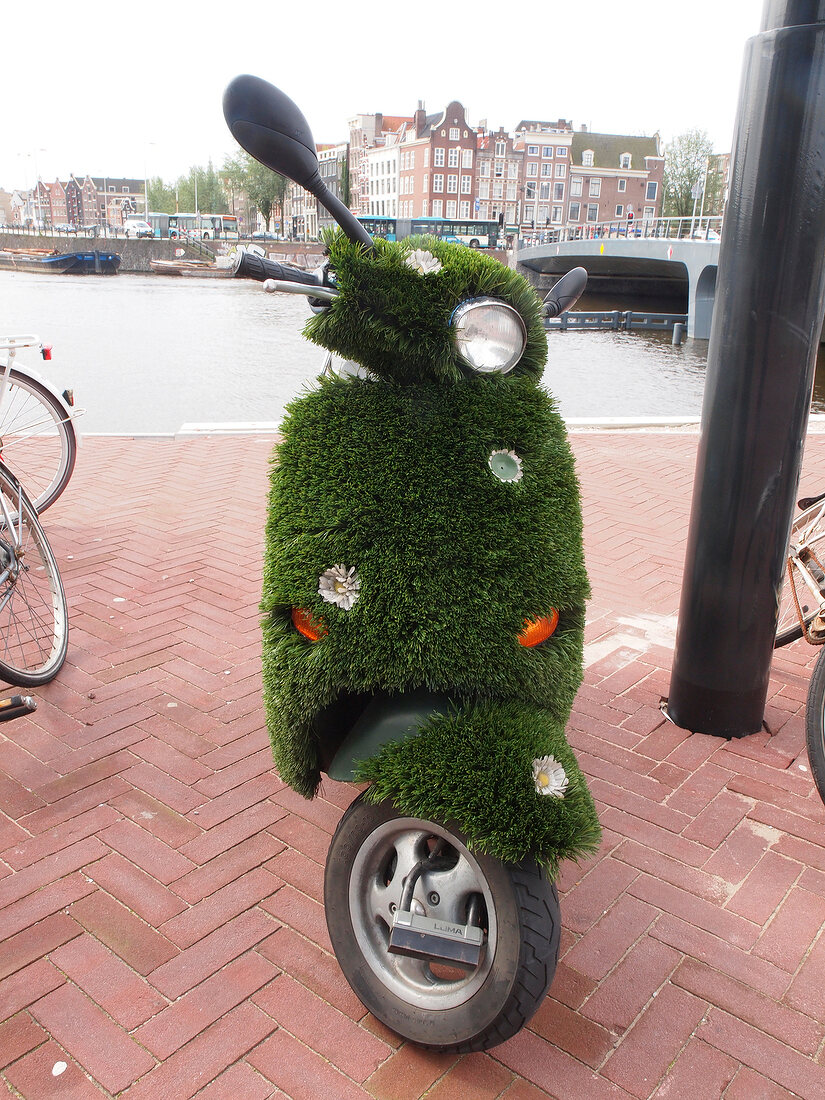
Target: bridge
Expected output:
[652,256]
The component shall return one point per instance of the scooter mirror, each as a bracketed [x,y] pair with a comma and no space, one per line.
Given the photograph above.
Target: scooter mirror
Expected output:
[566,292]
[271,128]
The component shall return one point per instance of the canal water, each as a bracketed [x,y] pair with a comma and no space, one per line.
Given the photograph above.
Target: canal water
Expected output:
[150,353]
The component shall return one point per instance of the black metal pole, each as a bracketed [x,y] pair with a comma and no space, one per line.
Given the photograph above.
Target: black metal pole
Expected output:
[770,298]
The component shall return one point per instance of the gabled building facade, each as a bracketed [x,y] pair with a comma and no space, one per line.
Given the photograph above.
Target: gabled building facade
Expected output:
[614,178]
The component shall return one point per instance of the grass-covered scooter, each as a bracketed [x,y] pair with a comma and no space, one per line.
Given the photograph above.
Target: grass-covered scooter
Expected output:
[424,590]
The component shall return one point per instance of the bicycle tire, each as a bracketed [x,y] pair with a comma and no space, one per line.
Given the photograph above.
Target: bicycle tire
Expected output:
[788,627]
[34,623]
[37,438]
[815,724]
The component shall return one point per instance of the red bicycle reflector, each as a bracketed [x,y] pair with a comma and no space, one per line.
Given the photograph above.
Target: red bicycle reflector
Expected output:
[307,624]
[539,630]
[46,351]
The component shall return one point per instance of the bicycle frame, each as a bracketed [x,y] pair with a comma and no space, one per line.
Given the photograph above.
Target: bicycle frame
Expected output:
[801,553]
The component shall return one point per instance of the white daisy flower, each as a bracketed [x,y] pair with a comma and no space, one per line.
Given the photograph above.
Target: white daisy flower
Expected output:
[423,262]
[506,465]
[549,776]
[340,585]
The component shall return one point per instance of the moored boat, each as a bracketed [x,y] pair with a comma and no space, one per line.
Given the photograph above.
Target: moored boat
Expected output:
[93,262]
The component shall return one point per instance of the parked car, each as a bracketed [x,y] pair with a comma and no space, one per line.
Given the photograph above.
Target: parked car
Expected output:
[261,235]
[138,228]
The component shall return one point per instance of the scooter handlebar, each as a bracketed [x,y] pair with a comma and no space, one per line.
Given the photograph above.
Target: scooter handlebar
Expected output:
[249,265]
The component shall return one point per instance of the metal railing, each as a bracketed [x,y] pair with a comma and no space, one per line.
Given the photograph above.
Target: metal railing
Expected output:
[616,320]
[701,229]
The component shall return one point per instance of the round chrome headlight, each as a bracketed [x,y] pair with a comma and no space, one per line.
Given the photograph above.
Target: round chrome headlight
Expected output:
[490,335]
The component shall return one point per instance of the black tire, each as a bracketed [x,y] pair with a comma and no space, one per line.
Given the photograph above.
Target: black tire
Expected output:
[371,851]
[808,530]
[37,438]
[34,624]
[815,723]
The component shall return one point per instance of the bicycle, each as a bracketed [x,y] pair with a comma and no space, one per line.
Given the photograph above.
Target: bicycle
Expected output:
[37,423]
[34,623]
[802,614]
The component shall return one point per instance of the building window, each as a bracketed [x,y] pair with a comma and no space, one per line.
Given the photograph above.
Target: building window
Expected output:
[576,186]
[530,191]
[484,168]
[532,150]
[464,210]
[423,208]
[511,191]
[455,133]
[558,192]
[426,181]
[528,213]
[532,170]
[544,216]
[451,205]
[484,189]
[622,185]
[650,193]
[595,188]
[437,208]
[624,160]
[466,185]
[498,189]
[452,184]
[650,211]
[619,210]
[592,212]
[426,157]
[466,158]
[498,168]
[556,214]
[544,190]
[547,169]
[587,158]
[547,151]
[512,169]
[501,148]
[438,181]
[452,158]
[438,157]
[561,171]
[561,151]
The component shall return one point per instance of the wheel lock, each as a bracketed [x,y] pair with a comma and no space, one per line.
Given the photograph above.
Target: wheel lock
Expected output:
[431,939]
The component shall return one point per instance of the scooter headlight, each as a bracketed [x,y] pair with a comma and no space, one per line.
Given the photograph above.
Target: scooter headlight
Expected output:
[490,335]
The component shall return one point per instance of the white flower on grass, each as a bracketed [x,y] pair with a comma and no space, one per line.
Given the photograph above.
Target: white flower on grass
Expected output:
[506,465]
[549,776]
[340,585]
[423,262]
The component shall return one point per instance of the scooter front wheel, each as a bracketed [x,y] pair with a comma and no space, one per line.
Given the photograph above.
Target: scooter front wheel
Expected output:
[422,995]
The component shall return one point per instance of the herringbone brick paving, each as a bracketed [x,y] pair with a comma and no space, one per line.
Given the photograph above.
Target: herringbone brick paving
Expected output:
[161,919]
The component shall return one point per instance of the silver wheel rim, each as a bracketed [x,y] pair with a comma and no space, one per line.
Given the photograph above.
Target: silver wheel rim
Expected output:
[376,881]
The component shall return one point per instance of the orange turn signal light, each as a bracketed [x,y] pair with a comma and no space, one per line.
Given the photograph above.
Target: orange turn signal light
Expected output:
[307,624]
[539,630]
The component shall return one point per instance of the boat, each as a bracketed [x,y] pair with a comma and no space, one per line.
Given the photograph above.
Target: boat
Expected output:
[202,268]
[93,262]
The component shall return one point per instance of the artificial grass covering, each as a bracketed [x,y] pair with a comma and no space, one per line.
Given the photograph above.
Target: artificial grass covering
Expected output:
[390,478]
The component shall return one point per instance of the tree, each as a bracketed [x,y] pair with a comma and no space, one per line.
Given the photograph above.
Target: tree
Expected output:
[265,189]
[686,161]
[161,196]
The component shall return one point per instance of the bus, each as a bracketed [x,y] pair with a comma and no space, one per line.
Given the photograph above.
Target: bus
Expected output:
[379,226]
[207,227]
[475,234]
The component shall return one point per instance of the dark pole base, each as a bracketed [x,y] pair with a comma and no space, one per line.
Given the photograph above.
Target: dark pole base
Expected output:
[718,713]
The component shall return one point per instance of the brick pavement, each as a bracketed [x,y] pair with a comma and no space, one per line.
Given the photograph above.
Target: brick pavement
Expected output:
[161,925]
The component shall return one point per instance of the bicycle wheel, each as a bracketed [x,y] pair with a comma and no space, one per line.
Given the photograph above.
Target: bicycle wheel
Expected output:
[34,623]
[815,724]
[808,532]
[37,438]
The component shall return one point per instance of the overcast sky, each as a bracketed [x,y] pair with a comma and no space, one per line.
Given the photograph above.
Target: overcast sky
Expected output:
[144,94]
